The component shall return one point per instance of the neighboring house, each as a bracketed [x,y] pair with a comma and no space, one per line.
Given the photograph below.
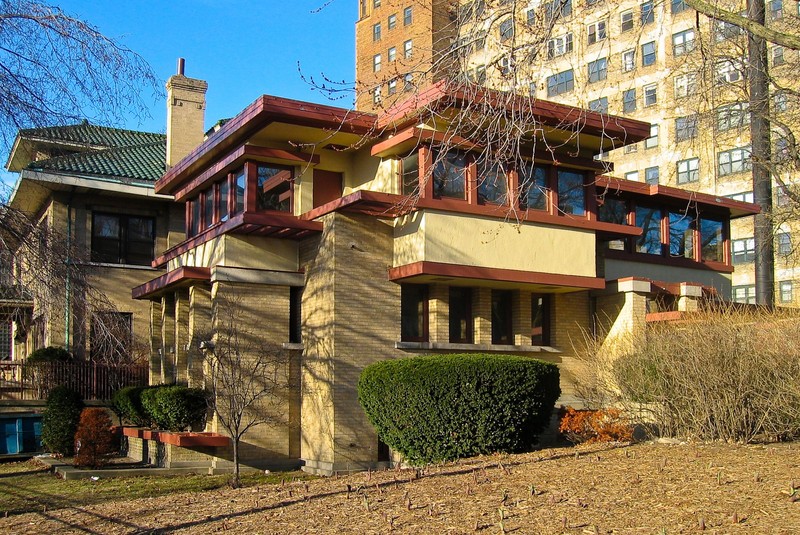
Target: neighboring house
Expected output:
[339,239]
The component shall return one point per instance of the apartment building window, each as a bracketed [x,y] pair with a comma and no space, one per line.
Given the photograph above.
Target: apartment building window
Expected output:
[6,339]
[408,82]
[376,95]
[652,141]
[779,101]
[506,65]
[626,21]
[376,3]
[376,63]
[533,187]
[725,30]
[734,115]
[651,175]
[784,244]
[727,71]
[392,22]
[777,56]
[685,85]
[391,87]
[678,6]
[650,95]
[686,127]
[413,313]
[648,54]
[376,32]
[408,49]
[492,183]
[540,319]
[628,60]
[633,147]
[776,9]
[629,100]
[597,32]
[560,83]
[557,9]
[745,196]
[743,251]
[460,319]
[786,292]
[744,294]
[450,175]
[558,46]
[531,17]
[123,239]
[392,54]
[781,195]
[711,240]
[507,29]
[598,70]
[502,317]
[688,170]
[649,220]
[681,235]
[599,105]
[571,193]
[683,42]
[648,15]
[408,16]
[733,161]
[632,175]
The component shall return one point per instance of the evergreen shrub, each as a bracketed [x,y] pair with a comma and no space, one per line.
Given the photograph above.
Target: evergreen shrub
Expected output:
[60,420]
[127,404]
[175,408]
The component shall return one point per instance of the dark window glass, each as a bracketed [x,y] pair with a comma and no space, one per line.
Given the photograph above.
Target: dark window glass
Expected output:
[711,241]
[533,187]
[612,210]
[122,239]
[208,207]
[222,206]
[410,174]
[449,175]
[195,215]
[460,315]
[492,183]
[273,188]
[540,320]
[649,220]
[295,316]
[681,235]
[502,326]
[414,313]
[239,184]
[571,193]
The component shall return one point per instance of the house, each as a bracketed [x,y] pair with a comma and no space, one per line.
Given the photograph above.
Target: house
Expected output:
[351,237]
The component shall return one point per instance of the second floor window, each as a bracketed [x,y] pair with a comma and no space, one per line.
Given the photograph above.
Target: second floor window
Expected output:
[274,187]
[571,193]
[492,183]
[450,175]
[122,239]
[596,32]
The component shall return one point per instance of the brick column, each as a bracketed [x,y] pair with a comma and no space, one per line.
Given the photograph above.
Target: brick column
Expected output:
[689,300]
[438,313]
[199,330]
[482,314]
[156,343]
[181,336]
[167,338]
[521,317]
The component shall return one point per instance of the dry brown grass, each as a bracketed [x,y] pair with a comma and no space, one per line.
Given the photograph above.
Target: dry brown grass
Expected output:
[648,488]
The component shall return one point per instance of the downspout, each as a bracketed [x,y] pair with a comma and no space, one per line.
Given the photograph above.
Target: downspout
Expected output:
[68,260]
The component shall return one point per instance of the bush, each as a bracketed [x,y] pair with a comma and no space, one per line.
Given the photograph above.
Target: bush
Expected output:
[443,407]
[94,439]
[49,354]
[175,408]
[604,425]
[127,404]
[60,420]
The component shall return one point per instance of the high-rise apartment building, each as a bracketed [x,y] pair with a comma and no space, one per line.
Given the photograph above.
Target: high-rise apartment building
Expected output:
[660,62]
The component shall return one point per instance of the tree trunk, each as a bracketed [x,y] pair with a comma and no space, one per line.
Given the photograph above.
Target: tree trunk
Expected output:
[235,480]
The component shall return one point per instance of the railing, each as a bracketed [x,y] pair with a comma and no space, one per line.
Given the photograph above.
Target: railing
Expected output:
[93,381]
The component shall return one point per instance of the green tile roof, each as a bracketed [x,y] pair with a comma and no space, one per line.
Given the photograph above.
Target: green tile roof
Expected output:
[90,135]
[138,162]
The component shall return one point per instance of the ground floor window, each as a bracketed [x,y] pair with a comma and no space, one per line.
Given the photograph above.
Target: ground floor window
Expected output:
[461,331]
[414,313]
[502,326]
[744,294]
[295,316]
[5,340]
[540,319]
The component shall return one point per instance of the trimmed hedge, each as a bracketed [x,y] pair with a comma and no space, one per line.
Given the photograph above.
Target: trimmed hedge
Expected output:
[443,407]
[127,404]
[60,420]
[175,408]
[49,354]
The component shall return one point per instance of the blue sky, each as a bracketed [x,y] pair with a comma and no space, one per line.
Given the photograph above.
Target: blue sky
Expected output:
[242,48]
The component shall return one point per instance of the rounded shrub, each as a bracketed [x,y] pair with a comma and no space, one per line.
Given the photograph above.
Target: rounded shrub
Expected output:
[93,439]
[175,408]
[60,420]
[127,404]
[49,354]
[443,407]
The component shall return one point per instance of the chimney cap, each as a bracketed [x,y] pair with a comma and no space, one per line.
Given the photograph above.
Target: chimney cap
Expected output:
[181,65]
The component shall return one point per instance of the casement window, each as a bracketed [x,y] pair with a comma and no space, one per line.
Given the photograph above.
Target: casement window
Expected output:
[376,63]
[239,183]
[502,317]
[744,294]
[123,239]
[460,317]
[632,175]
[413,313]
[686,127]
[648,15]
[648,54]
[408,16]
[450,175]
[685,85]
[733,161]
[745,196]
[540,319]
[728,71]
[559,46]
[628,60]
[650,95]
[649,220]
[711,240]
[295,314]
[599,105]
[598,70]
[392,54]
[533,186]
[736,115]
[376,32]
[683,42]
[274,185]
[652,141]
[688,170]
[409,174]
[651,175]
[560,83]
[477,75]
[492,183]
[391,87]
[596,32]
[223,200]
[677,6]
[612,210]
[626,21]
[681,234]
[571,193]
[743,251]
[786,291]
[392,21]
[110,336]
[629,100]
[784,247]
[408,49]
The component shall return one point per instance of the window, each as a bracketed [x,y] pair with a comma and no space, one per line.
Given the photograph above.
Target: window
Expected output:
[295,314]
[688,170]
[392,55]
[274,187]
[682,42]
[376,3]
[626,21]
[777,55]
[392,22]
[557,9]
[376,32]
[571,193]
[123,239]
[558,46]
[681,235]
[408,16]
[410,174]
[533,187]
[734,115]
[560,83]
[598,70]
[785,292]
[110,336]
[779,101]
[239,182]
[633,147]
[651,175]
[678,6]
[460,320]
[507,29]
[492,183]
[506,65]
[725,30]
[650,95]
[376,95]
[597,32]
[744,294]
[208,207]
[408,82]
[376,63]
[223,202]
[407,49]
[652,141]
[648,15]
[632,175]
[743,251]
[502,326]
[413,313]
[782,197]
[745,196]
[391,87]
[540,319]
[612,210]
[685,85]
[6,339]
[648,53]
[649,220]
[784,243]
[733,161]
[711,242]
[628,60]
[776,9]
[686,127]
[629,101]
[450,175]
[727,71]
[531,17]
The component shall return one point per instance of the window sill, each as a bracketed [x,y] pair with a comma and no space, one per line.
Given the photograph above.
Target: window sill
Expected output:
[125,266]
[475,347]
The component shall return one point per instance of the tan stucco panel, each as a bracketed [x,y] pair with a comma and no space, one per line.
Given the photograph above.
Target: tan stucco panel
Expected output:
[241,251]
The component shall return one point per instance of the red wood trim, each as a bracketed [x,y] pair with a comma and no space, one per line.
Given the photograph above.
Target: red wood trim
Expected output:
[388,200]
[672,315]
[440,269]
[280,219]
[667,261]
[419,135]
[204,236]
[172,278]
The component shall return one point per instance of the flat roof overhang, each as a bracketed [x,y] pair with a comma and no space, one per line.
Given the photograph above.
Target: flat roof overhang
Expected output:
[181,277]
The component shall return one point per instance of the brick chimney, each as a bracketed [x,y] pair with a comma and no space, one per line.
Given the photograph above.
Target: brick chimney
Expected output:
[186,111]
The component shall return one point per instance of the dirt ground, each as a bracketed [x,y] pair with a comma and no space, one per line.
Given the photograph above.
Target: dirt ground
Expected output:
[645,488]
